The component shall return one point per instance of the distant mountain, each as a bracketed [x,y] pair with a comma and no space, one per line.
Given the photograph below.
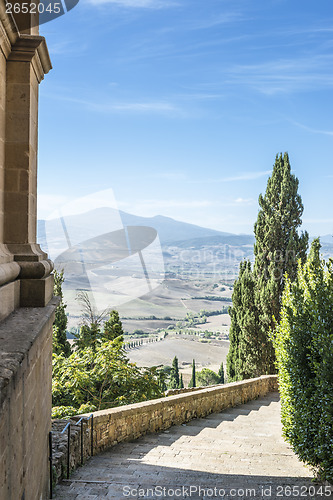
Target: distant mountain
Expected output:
[104,220]
[171,230]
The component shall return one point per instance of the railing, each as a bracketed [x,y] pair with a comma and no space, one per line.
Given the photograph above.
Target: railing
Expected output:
[68,428]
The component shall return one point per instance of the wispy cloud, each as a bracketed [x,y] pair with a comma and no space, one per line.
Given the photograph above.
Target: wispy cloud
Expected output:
[244,201]
[137,4]
[284,75]
[246,176]
[164,107]
[170,176]
[312,130]
[66,48]
[225,18]
[141,107]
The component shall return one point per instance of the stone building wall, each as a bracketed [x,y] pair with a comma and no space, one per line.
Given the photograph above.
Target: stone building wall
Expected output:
[26,285]
[25,402]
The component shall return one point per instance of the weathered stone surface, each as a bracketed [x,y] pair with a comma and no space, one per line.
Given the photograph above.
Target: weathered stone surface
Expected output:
[240,451]
[60,446]
[25,334]
[130,422]
[25,402]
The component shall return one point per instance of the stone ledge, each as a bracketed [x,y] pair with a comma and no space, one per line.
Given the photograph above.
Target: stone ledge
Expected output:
[18,333]
[137,408]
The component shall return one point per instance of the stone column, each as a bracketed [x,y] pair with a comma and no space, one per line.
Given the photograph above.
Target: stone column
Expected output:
[27,63]
[9,270]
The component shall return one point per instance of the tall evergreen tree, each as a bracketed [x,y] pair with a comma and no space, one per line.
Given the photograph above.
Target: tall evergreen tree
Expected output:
[193,381]
[278,245]
[181,383]
[257,294]
[60,342]
[247,349]
[113,327]
[174,374]
[221,374]
[278,248]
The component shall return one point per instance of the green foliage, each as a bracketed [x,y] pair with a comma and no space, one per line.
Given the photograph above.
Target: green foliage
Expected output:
[60,342]
[193,377]
[174,374]
[257,293]
[221,374]
[63,411]
[247,352]
[278,247]
[304,350]
[87,337]
[113,328]
[70,411]
[207,377]
[181,382]
[91,335]
[102,377]
[162,376]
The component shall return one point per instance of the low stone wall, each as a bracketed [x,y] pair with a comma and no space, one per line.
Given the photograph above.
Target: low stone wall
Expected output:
[129,422]
[25,402]
[60,443]
[126,423]
[172,392]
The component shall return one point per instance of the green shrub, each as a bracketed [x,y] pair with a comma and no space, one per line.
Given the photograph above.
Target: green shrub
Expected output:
[63,411]
[207,377]
[304,349]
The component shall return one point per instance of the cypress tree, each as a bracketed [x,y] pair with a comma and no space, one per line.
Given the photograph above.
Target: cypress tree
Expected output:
[278,248]
[257,294]
[60,342]
[181,383]
[221,374]
[174,374]
[244,359]
[193,378]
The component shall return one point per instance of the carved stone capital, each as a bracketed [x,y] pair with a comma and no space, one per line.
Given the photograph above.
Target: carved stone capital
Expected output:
[32,48]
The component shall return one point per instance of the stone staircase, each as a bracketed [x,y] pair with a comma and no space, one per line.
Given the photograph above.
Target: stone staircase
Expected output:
[238,453]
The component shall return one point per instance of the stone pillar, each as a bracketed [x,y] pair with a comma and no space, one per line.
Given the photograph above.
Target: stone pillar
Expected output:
[9,270]
[27,63]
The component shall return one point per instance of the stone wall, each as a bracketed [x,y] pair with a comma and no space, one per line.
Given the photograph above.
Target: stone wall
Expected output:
[60,443]
[25,402]
[126,423]
[172,392]
[25,279]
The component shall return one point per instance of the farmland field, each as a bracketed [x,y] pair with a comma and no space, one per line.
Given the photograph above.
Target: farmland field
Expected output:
[206,355]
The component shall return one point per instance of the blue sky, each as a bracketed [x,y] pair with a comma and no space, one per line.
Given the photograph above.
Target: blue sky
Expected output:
[180,107]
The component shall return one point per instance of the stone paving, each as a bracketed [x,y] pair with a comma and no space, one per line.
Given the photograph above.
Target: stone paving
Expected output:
[238,453]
